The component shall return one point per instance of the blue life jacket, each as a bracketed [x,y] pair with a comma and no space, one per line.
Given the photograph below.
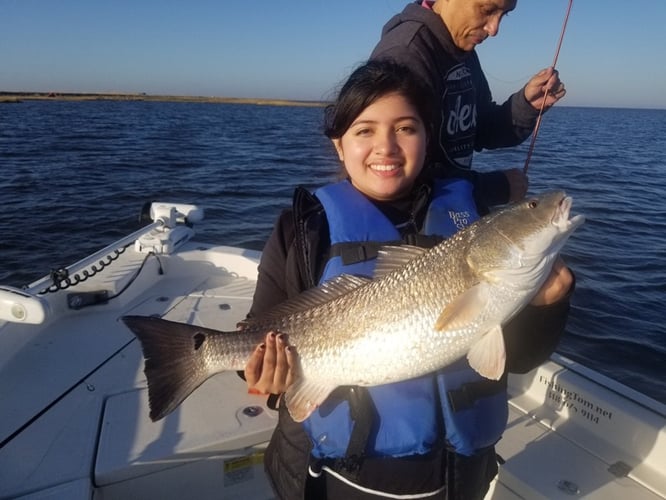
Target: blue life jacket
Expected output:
[406,417]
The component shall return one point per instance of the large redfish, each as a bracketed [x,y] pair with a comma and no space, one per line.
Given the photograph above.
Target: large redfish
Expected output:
[423,310]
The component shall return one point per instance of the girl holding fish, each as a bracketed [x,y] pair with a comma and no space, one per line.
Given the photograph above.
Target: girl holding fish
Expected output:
[411,439]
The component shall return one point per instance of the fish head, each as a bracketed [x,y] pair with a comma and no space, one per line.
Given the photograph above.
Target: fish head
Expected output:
[524,237]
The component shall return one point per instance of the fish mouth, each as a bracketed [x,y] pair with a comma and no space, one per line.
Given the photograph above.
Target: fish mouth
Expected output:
[561,217]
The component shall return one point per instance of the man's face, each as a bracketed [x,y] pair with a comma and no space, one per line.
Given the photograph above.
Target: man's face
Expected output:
[470,22]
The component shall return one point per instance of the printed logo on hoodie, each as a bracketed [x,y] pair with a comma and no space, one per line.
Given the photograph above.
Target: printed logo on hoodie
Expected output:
[458,129]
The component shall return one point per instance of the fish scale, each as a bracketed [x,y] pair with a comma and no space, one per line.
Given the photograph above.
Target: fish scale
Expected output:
[424,310]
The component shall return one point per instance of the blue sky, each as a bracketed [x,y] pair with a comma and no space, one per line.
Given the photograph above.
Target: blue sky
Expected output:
[613,51]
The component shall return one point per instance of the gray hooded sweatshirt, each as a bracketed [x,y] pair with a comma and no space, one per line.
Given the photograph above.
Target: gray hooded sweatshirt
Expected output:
[468,119]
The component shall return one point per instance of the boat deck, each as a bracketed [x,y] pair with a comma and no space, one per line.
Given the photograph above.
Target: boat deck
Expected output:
[74,422]
[574,434]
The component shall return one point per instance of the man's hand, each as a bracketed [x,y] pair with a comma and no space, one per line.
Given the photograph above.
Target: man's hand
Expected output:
[546,80]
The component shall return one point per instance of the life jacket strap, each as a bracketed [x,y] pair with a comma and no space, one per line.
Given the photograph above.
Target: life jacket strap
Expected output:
[352,252]
[422,240]
[272,401]
[363,413]
[464,397]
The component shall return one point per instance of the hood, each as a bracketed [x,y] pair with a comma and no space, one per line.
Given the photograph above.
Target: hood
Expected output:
[414,18]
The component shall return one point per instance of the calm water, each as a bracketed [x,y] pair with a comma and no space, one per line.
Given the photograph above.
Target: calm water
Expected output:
[74,175]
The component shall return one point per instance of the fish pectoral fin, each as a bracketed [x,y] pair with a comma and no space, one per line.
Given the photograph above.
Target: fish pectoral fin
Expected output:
[303,397]
[463,309]
[488,356]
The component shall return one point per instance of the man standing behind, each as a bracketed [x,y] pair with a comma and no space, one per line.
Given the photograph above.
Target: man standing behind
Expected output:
[436,39]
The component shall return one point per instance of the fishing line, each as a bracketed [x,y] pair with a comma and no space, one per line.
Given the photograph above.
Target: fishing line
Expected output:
[545,96]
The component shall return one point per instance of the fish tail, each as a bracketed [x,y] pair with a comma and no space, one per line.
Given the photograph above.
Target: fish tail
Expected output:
[174,365]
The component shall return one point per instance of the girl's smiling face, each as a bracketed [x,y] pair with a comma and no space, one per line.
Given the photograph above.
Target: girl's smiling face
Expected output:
[384,148]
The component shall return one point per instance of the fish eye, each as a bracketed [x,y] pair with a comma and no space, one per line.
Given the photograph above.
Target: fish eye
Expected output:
[532,204]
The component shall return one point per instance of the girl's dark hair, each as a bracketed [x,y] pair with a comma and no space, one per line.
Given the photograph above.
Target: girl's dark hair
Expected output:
[368,83]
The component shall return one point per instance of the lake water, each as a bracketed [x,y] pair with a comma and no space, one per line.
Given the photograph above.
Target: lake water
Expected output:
[74,176]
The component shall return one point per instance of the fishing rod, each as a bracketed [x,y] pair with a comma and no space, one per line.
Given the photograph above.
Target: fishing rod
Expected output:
[545,95]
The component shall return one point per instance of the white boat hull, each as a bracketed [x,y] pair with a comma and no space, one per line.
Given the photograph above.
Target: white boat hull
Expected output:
[74,421]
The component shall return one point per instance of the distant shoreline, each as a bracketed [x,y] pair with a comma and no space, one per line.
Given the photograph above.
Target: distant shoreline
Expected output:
[16,97]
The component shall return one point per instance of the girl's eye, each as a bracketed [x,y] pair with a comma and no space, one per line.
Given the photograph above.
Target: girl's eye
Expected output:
[409,127]
[363,132]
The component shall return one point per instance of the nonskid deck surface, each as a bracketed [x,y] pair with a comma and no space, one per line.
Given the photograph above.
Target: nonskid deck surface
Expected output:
[75,399]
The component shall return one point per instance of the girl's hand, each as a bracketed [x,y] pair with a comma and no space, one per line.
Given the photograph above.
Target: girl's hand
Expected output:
[556,286]
[272,366]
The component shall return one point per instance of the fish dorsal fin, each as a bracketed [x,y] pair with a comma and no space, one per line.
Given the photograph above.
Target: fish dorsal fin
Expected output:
[488,356]
[392,257]
[313,297]
[303,397]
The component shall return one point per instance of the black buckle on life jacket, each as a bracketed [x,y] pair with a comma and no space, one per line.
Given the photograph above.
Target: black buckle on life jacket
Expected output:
[352,252]
[422,240]
[465,397]
[358,253]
